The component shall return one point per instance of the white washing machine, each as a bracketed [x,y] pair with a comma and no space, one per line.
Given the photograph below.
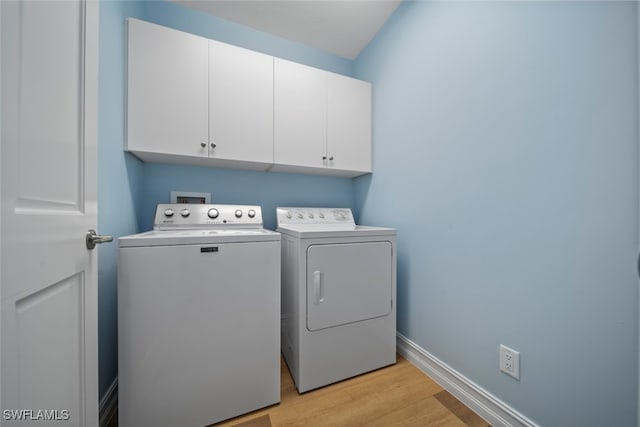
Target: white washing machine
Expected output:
[198,317]
[338,295]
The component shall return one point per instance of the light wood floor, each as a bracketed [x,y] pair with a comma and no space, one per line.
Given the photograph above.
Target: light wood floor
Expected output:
[398,395]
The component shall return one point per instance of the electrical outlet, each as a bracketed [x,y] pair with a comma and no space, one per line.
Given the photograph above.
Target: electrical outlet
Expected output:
[510,361]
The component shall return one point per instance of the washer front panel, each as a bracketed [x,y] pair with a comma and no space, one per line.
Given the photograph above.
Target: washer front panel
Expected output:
[198,332]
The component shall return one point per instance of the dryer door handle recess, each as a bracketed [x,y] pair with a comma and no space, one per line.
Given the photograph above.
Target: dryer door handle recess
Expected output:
[318,288]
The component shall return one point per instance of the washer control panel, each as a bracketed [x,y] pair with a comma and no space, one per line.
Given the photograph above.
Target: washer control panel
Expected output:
[177,216]
[328,216]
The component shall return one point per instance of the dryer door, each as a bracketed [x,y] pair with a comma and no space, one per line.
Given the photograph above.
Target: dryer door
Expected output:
[347,283]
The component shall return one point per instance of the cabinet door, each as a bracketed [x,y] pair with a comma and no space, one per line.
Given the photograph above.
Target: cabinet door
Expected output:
[240,104]
[300,114]
[349,123]
[166,90]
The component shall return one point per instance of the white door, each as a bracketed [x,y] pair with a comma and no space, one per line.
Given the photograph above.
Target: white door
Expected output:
[49,140]
[347,283]
[240,104]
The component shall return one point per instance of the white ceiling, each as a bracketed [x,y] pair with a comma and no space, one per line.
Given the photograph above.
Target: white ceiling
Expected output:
[342,27]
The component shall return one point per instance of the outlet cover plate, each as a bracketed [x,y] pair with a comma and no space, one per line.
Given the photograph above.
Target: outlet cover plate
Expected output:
[510,361]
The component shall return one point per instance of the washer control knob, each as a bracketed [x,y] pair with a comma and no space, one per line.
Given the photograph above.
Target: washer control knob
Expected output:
[288,214]
[238,213]
[252,213]
[300,216]
[213,213]
[185,213]
[310,215]
[321,215]
[168,213]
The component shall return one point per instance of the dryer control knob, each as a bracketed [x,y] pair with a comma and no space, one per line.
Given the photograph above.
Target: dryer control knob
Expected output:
[185,213]
[252,213]
[213,213]
[300,216]
[168,213]
[289,215]
[238,213]
[310,215]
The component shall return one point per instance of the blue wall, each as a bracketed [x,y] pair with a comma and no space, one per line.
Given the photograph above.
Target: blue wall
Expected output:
[129,189]
[505,151]
[119,178]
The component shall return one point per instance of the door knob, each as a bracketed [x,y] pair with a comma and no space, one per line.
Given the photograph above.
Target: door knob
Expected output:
[93,239]
[213,145]
[203,144]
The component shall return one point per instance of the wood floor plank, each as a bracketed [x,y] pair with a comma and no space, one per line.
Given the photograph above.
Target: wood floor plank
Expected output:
[395,396]
[261,421]
[467,416]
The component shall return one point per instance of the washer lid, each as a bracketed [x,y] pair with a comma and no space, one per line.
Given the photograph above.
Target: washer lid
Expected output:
[197,237]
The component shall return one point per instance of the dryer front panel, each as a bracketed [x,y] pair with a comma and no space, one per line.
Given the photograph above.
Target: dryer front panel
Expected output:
[348,282]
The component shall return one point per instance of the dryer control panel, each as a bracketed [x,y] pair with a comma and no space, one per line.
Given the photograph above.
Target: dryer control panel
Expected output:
[173,216]
[316,216]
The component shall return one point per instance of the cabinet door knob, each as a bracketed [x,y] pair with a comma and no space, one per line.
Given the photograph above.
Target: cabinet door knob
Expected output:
[213,145]
[203,144]
[331,158]
[324,157]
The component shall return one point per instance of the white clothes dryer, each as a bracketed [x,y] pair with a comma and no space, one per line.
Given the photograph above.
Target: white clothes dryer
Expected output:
[198,317]
[338,295]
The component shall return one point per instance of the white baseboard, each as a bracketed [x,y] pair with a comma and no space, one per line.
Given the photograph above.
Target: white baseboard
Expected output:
[491,409]
[109,403]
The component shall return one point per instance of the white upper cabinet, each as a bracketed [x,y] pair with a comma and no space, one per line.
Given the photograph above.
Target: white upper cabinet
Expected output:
[198,101]
[168,74]
[194,100]
[300,115]
[322,121]
[240,104]
[349,123]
